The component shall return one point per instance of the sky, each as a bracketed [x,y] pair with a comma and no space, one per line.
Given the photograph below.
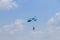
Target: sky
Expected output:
[15,13]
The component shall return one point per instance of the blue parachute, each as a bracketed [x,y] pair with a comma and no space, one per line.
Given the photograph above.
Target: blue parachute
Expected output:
[32,19]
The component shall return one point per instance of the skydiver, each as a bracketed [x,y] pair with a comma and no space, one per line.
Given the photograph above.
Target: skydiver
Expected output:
[33,28]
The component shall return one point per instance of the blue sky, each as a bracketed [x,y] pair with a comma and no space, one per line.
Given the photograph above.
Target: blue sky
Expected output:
[15,13]
[44,9]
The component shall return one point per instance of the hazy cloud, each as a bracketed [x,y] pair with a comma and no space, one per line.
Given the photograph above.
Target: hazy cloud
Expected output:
[13,27]
[52,31]
[8,4]
[54,26]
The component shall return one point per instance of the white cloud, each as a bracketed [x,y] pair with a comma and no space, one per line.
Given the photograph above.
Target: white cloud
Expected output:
[54,26]
[55,21]
[13,27]
[51,33]
[7,4]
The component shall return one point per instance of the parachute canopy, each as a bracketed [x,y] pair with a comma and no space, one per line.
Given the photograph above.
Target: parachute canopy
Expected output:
[32,19]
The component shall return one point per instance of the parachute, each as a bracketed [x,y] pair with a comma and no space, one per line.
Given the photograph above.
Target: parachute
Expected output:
[31,20]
